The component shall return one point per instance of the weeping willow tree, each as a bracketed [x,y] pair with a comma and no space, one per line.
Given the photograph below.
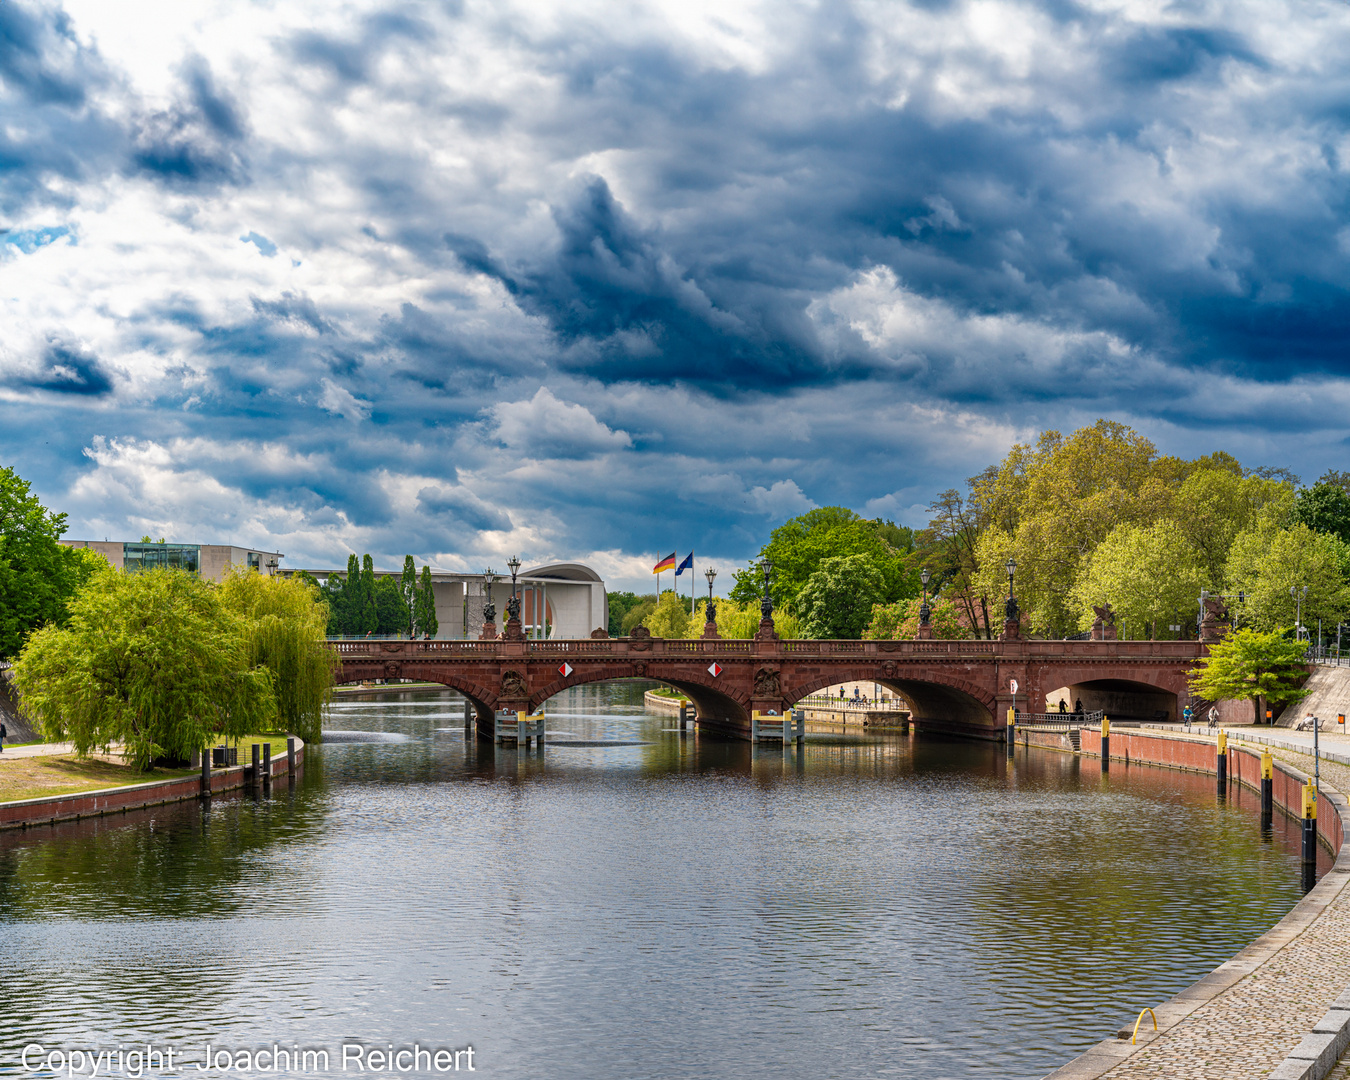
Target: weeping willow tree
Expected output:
[154,661]
[284,627]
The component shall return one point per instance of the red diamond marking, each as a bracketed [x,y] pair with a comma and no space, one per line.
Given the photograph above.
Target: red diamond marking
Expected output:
[714,670]
[565,670]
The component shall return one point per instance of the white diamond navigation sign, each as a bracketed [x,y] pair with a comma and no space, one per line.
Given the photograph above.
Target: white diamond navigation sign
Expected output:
[714,669]
[565,670]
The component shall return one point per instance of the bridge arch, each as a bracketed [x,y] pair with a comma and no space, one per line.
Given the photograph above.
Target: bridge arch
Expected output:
[937,697]
[1123,692]
[714,702]
[484,699]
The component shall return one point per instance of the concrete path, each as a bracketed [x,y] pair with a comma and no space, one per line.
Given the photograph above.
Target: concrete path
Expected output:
[1249,1028]
[36,750]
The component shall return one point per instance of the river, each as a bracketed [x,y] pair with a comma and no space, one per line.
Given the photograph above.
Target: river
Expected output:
[654,907]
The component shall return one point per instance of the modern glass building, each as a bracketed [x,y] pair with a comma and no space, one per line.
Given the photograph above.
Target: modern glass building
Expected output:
[207,560]
[173,556]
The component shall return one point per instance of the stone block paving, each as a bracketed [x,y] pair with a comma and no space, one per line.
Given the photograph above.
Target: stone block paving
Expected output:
[1247,1030]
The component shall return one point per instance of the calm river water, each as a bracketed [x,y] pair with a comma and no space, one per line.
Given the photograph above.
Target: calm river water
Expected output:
[678,908]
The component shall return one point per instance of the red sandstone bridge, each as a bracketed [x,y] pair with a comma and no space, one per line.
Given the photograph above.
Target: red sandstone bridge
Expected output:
[961,687]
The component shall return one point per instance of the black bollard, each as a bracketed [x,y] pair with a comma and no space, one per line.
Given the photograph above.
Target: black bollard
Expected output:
[267,763]
[1267,789]
[206,772]
[257,765]
[290,754]
[1106,744]
[684,716]
[1222,763]
[1309,824]
[1011,733]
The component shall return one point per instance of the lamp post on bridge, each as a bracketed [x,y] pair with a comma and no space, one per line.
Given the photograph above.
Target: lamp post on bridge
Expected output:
[766,631]
[1012,618]
[710,613]
[513,630]
[489,632]
[925,630]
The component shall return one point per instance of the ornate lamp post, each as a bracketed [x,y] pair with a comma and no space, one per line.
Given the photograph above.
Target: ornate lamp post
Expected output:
[710,614]
[489,609]
[1012,618]
[766,630]
[925,630]
[513,631]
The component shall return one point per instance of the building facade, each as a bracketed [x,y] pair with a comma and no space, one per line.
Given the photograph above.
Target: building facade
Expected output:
[206,560]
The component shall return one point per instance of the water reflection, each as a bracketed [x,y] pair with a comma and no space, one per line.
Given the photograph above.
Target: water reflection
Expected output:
[671,907]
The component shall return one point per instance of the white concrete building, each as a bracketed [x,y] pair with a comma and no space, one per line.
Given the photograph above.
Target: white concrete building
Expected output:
[206,560]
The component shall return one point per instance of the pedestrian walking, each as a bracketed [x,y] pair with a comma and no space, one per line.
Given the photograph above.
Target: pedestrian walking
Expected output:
[1063,706]
[3,732]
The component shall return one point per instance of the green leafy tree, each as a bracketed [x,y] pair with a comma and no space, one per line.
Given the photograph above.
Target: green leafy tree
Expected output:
[369,618]
[1216,505]
[1324,508]
[901,620]
[427,624]
[799,546]
[38,575]
[1252,665]
[154,661]
[284,623]
[669,618]
[948,549]
[620,604]
[837,600]
[408,586]
[637,615]
[391,609]
[1148,574]
[1264,563]
[742,620]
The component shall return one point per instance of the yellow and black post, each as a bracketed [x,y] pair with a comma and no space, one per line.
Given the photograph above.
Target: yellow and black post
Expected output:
[1309,824]
[1222,763]
[1011,729]
[1106,744]
[1267,789]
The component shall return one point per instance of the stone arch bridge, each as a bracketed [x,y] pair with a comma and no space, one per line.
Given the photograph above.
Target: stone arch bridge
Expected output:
[960,687]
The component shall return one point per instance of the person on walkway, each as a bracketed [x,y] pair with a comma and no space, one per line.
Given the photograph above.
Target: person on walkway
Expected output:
[1078,706]
[1063,706]
[3,732]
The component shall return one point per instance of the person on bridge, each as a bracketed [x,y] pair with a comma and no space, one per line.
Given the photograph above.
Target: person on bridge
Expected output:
[1063,706]
[1078,706]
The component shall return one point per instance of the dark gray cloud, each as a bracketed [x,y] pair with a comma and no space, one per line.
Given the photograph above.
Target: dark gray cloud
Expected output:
[411,274]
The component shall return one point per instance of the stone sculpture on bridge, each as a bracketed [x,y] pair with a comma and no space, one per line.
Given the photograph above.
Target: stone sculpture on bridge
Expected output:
[1104,629]
[1217,621]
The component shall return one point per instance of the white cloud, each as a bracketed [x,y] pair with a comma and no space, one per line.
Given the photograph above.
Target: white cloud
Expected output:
[342,402]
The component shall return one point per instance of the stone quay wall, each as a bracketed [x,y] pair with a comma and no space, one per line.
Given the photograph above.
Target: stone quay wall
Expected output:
[25,813]
[1211,1029]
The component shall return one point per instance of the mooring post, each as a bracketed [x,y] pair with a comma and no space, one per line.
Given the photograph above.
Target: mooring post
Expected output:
[468,711]
[206,772]
[1221,763]
[290,754]
[1106,743]
[684,715]
[1267,789]
[754,727]
[257,764]
[799,718]
[1309,824]
[267,763]
[1010,736]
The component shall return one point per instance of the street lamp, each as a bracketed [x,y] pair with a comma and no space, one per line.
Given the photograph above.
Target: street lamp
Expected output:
[924,613]
[489,609]
[710,616]
[766,605]
[513,605]
[1010,612]
[272,566]
[1298,596]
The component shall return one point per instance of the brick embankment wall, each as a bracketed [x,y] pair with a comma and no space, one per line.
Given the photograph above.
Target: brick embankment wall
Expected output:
[1245,1018]
[51,809]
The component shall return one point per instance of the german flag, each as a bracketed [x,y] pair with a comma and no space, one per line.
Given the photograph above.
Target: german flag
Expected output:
[668,563]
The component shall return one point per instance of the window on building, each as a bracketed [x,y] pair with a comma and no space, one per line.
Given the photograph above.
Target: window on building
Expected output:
[254,561]
[137,557]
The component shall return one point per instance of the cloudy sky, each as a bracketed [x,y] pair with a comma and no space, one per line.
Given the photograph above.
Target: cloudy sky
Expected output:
[594,280]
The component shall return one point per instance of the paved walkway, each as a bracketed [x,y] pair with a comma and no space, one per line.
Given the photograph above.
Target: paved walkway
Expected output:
[36,750]
[1248,1029]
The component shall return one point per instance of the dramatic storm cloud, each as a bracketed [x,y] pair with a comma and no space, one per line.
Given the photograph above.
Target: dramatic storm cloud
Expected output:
[596,280]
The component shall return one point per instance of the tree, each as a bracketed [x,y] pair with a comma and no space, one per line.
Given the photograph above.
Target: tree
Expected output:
[284,624]
[669,618]
[742,620]
[425,612]
[1148,574]
[799,546]
[408,586]
[948,549]
[837,600]
[153,660]
[1216,505]
[901,620]
[368,620]
[620,604]
[637,615]
[1251,665]
[391,610]
[1324,508]
[38,575]
[1265,563]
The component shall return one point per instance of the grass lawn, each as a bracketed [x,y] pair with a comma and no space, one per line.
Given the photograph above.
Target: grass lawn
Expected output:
[38,777]
[65,774]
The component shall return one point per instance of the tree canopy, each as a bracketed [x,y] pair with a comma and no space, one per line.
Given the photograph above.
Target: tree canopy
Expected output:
[1250,665]
[837,599]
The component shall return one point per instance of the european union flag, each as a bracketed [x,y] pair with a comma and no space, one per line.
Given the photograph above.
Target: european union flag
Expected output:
[688,564]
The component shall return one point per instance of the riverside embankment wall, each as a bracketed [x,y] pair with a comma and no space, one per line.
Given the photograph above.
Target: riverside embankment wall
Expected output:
[1206,1037]
[50,809]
